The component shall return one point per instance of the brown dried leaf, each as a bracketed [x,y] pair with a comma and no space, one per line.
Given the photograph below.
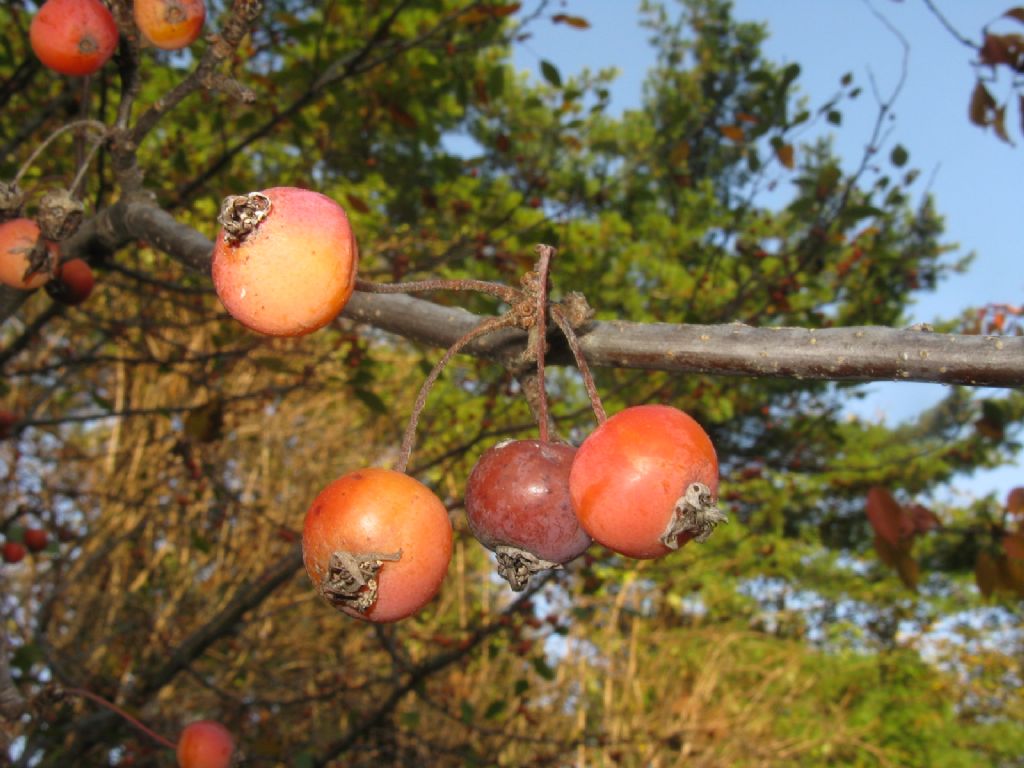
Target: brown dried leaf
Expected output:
[573,21]
[923,519]
[732,133]
[887,553]
[1010,574]
[786,155]
[1016,13]
[999,124]
[887,517]
[1013,545]
[357,203]
[909,571]
[1015,501]
[986,573]
[982,108]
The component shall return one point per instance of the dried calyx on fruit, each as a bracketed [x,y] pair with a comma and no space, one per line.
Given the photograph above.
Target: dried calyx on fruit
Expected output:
[60,214]
[351,580]
[518,506]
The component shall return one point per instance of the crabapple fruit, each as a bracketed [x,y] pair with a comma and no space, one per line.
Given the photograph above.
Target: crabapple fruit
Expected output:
[13,552]
[73,284]
[205,744]
[376,544]
[36,539]
[284,263]
[518,506]
[646,481]
[170,24]
[22,247]
[7,422]
[73,37]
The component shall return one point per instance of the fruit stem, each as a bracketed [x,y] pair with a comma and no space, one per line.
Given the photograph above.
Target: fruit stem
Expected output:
[504,292]
[481,329]
[540,329]
[562,320]
[121,713]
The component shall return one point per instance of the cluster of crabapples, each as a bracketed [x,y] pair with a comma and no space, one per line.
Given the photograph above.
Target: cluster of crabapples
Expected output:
[376,542]
[32,540]
[77,37]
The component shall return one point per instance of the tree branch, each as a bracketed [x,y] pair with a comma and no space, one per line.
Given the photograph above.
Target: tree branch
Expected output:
[830,354]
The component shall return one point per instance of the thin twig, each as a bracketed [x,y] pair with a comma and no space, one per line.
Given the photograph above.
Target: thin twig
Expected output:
[540,329]
[560,318]
[95,124]
[122,714]
[486,326]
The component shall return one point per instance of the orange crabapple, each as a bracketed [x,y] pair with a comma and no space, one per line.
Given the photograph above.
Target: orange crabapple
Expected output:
[645,482]
[376,544]
[284,262]
[205,744]
[170,24]
[19,238]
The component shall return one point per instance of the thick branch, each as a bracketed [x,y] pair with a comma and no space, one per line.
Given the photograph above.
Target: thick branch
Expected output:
[834,354]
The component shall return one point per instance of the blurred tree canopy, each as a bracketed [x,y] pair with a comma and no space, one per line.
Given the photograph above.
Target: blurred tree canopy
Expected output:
[848,614]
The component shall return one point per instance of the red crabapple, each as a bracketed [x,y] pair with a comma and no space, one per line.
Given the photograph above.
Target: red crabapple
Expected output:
[376,544]
[284,262]
[205,744]
[518,506]
[13,552]
[73,283]
[645,482]
[73,37]
[36,539]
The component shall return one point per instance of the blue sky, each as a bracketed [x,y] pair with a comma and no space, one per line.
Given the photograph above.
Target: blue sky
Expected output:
[973,176]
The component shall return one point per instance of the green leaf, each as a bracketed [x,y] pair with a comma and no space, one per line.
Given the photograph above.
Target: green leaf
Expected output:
[543,669]
[495,709]
[371,400]
[550,72]
[899,155]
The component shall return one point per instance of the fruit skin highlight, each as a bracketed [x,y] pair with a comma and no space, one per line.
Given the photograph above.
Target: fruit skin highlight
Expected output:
[294,271]
[73,37]
[518,504]
[633,471]
[205,744]
[170,24]
[17,239]
[393,524]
